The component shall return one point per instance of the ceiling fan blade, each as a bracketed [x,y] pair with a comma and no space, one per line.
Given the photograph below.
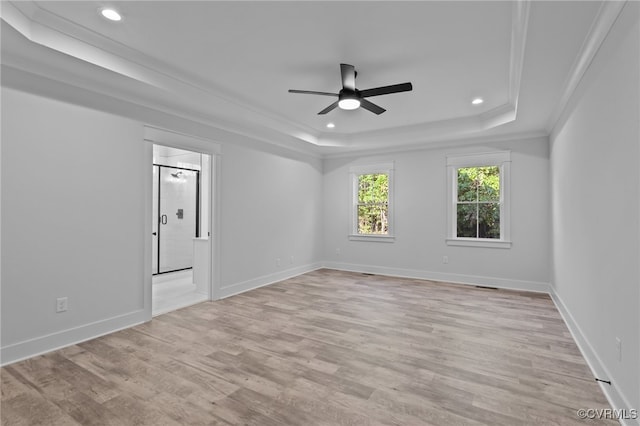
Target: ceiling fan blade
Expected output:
[329,108]
[348,73]
[311,92]
[385,90]
[371,107]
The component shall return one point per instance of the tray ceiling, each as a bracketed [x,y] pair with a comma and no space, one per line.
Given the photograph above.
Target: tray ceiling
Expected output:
[231,63]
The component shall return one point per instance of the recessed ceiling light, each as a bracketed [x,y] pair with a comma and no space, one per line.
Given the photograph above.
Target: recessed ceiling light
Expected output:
[111,14]
[477,101]
[331,125]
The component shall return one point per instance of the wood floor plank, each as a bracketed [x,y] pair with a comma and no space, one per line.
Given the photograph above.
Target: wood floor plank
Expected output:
[33,409]
[324,348]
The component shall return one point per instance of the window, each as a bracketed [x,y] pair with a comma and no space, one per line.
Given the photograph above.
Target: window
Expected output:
[372,206]
[479,200]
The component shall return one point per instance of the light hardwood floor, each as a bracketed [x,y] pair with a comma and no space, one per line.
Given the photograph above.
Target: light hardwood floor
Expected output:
[324,348]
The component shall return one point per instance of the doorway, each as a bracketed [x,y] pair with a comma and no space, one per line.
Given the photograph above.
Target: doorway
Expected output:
[180,258]
[176,211]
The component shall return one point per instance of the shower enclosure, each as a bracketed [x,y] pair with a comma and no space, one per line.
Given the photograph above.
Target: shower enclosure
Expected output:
[176,217]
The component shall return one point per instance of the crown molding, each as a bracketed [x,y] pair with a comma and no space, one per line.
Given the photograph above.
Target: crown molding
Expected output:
[459,126]
[470,140]
[157,85]
[602,24]
[520,25]
[154,115]
[17,17]
[47,29]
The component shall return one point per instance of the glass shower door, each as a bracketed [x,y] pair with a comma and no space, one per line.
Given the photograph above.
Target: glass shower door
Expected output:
[177,218]
[155,222]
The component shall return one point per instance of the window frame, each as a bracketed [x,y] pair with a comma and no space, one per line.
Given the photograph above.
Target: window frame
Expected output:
[500,159]
[354,173]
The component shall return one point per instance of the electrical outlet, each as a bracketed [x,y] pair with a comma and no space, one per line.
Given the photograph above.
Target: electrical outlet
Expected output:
[337,252]
[278,261]
[291,260]
[445,259]
[62,304]
[619,348]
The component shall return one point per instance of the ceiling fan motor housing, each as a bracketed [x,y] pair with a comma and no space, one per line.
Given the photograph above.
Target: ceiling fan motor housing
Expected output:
[349,99]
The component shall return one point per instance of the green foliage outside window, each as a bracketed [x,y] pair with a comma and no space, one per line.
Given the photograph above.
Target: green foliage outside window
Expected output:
[478,204]
[373,204]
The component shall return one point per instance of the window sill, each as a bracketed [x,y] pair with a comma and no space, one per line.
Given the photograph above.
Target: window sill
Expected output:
[372,237]
[477,242]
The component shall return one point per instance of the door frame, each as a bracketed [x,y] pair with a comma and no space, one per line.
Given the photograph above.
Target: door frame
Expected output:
[158,136]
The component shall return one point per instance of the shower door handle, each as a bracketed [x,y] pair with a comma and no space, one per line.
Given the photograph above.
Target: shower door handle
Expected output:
[163,219]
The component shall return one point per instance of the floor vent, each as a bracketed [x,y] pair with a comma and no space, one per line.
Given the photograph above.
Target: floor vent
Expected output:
[486,288]
[368,274]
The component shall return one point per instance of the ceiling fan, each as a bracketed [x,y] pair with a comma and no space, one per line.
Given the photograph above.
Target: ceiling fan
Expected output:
[351,98]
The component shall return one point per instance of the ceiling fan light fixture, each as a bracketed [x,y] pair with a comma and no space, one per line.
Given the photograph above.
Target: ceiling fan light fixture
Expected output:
[350,98]
[349,102]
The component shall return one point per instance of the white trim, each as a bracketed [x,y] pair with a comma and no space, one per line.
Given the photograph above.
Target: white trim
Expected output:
[215,225]
[602,24]
[427,144]
[362,169]
[41,27]
[617,400]
[45,28]
[502,159]
[173,139]
[241,287]
[147,273]
[51,342]
[159,136]
[479,159]
[372,237]
[15,17]
[519,27]
[505,200]
[478,242]
[55,341]
[473,280]
[442,129]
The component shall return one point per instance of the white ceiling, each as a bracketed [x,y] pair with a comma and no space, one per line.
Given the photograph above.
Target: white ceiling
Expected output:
[233,62]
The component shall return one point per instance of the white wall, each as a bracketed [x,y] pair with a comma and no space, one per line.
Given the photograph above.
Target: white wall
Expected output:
[271,208]
[420,220]
[82,177]
[72,215]
[595,186]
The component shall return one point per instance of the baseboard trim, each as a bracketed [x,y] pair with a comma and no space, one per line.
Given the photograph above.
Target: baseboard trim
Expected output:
[40,345]
[51,342]
[264,280]
[617,400]
[505,283]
